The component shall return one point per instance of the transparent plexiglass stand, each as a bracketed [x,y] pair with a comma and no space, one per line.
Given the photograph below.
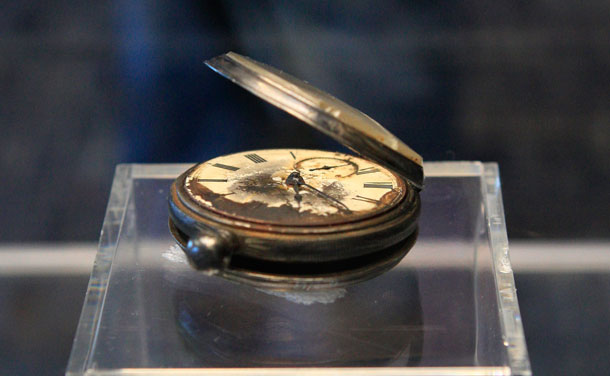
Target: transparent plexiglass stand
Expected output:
[448,308]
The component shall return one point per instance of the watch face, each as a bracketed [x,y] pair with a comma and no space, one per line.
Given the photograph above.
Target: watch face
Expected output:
[294,187]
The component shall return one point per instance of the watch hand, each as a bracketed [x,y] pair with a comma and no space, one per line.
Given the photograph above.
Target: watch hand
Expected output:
[295,179]
[297,195]
[327,167]
[343,206]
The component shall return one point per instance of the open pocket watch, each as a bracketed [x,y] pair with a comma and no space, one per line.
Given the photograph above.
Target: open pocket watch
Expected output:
[295,219]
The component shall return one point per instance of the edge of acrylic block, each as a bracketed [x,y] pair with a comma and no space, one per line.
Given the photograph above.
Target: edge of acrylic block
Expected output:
[96,290]
[510,317]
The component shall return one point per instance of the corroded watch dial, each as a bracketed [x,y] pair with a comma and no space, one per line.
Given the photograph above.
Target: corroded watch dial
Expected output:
[294,187]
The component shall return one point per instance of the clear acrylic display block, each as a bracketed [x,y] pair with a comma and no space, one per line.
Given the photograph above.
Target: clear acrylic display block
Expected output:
[448,308]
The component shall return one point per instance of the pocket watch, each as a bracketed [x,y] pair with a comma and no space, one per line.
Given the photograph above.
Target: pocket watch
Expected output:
[297,219]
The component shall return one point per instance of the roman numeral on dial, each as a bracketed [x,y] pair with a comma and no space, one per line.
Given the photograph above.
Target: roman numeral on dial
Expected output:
[379,184]
[213,180]
[255,158]
[226,167]
[368,170]
[365,199]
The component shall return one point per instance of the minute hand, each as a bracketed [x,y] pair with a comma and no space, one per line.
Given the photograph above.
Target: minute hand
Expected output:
[319,192]
[295,180]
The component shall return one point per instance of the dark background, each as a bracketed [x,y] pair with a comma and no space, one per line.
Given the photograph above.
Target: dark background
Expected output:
[87,85]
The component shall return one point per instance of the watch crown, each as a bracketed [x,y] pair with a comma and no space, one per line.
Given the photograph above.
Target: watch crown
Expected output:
[210,252]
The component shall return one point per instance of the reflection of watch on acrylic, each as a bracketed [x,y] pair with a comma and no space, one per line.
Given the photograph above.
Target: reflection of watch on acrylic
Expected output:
[295,218]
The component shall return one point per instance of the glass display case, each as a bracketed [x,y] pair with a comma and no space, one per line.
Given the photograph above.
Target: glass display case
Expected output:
[449,307]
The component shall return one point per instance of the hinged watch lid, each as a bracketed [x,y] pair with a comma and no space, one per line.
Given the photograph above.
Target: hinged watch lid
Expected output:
[324,112]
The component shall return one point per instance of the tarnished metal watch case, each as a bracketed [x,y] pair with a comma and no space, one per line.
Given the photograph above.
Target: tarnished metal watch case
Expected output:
[304,257]
[279,256]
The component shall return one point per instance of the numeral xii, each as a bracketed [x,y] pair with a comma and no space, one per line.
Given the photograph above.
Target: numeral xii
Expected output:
[255,158]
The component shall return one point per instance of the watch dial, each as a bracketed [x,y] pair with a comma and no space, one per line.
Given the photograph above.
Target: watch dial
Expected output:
[294,187]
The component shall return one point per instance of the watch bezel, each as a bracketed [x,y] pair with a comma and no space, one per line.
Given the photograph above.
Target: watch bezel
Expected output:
[297,243]
[243,220]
